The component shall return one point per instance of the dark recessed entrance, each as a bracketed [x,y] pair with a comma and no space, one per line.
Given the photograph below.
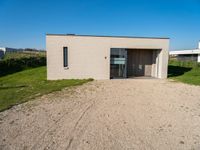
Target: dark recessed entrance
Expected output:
[125,63]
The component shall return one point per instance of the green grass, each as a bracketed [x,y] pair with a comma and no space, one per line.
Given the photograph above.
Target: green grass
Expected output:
[186,72]
[28,84]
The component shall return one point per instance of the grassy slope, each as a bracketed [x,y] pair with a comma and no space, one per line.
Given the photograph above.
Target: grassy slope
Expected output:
[186,72]
[191,77]
[25,85]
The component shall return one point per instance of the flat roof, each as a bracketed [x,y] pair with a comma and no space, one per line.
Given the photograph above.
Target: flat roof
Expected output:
[107,36]
[182,52]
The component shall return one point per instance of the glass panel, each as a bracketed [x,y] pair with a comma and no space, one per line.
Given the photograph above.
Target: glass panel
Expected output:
[65,56]
[118,63]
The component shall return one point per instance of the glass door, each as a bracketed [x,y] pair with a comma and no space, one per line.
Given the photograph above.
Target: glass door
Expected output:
[118,63]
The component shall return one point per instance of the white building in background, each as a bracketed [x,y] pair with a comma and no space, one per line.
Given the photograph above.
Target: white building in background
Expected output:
[3,50]
[186,55]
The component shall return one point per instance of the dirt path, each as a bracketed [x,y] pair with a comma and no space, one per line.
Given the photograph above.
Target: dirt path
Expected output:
[118,114]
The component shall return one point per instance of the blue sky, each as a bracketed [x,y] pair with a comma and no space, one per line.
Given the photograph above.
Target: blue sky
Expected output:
[24,23]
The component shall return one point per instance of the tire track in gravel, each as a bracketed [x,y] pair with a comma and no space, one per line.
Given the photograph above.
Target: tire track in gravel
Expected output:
[55,126]
[77,123]
[76,129]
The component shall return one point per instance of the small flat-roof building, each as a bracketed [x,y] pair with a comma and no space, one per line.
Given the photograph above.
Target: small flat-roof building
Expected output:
[105,57]
[4,50]
[186,55]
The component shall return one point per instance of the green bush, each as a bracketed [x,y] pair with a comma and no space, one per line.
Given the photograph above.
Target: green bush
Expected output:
[9,66]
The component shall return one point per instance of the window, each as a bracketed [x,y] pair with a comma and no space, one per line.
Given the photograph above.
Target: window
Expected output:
[65,56]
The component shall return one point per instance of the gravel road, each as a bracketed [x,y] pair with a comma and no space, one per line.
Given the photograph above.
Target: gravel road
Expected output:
[139,114]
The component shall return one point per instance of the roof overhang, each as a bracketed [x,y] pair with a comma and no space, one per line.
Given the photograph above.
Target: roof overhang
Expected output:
[107,36]
[184,52]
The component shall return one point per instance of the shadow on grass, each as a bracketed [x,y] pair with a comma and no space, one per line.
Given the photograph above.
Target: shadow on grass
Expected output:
[11,87]
[174,71]
[13,65]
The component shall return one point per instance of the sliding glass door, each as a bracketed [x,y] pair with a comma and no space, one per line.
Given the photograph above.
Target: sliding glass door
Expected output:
[118,63]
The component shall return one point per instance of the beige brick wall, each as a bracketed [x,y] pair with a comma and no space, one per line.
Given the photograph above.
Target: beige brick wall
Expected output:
[89,57]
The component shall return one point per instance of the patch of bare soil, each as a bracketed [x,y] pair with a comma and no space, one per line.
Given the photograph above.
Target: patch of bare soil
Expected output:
[111,114]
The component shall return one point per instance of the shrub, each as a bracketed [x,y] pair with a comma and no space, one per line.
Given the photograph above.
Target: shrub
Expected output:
[9,66]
